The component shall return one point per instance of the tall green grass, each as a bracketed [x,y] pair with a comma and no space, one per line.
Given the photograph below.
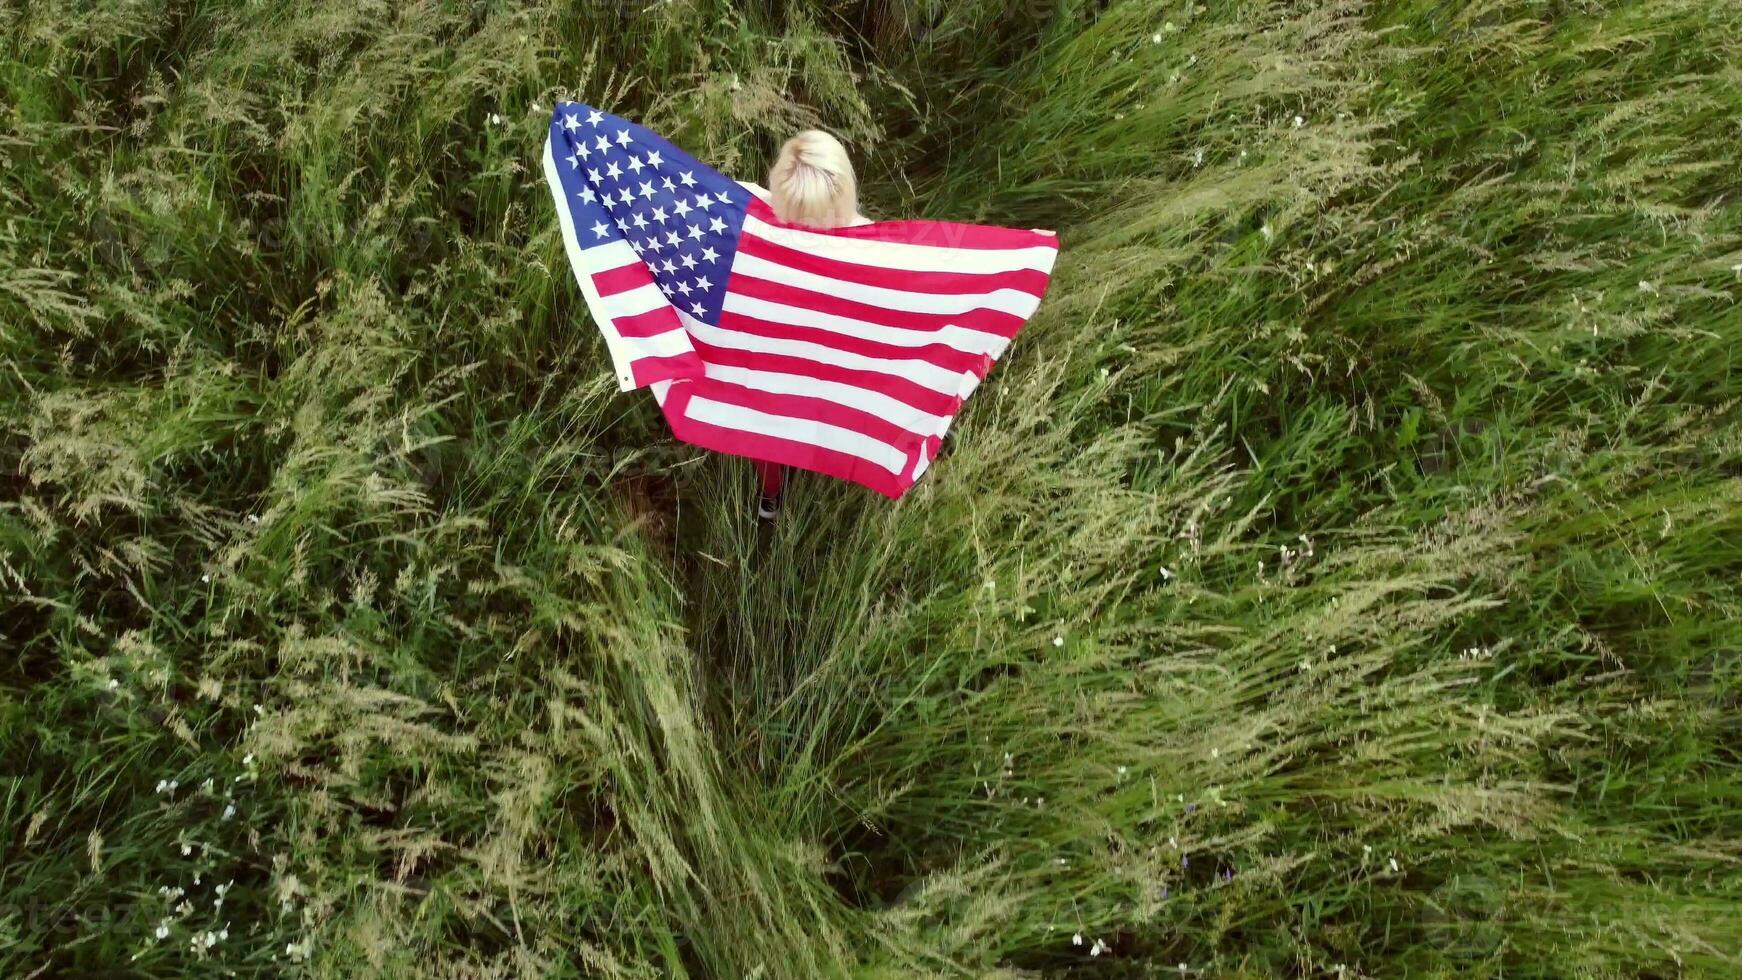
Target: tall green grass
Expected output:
[1339,577]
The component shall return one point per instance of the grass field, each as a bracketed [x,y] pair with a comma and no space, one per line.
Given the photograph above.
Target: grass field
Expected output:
[1340,577]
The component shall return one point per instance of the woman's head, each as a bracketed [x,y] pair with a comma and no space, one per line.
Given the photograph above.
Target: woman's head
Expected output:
[811,182]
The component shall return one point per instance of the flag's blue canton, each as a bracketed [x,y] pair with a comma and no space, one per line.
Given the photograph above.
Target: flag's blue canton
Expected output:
[624,182]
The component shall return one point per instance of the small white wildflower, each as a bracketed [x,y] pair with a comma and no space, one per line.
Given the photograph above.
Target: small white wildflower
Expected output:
[162,930]
[1366,849]
[1076,939]
[229,811]
[248,759]
[113,683]
[186,849]
[1198,157]
[253,518]
[1058,641]
[1166,573]
[1155,38]
[1646,287]
[1214,753]
[1168,27]
[1099,948]
[1183,968]
[1299,122]
[184,906]
[205,578]
[1059,861]
[1121,770]
[206,786]
[1266,232]
[1394,864]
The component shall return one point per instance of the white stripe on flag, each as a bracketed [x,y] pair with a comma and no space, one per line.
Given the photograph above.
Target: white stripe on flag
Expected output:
[961,338]
[866,400]
[904,256]
[668,344]
[632,302]
[807,431]
[1012,301]
[922,373]
[607,255]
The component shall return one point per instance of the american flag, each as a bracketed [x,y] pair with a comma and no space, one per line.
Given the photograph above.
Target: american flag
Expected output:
[845,351]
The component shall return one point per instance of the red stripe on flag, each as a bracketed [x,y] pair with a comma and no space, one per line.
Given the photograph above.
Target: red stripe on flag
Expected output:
[995,322]
[622,279]
[647,370]
[654,321]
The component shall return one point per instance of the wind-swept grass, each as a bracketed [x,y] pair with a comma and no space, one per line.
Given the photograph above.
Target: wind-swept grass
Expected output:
[1340,576]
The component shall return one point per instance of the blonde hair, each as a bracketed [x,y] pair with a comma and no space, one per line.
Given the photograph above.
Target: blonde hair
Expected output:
[811,182]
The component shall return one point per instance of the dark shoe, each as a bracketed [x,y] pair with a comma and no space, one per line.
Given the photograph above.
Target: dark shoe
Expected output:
[767,507]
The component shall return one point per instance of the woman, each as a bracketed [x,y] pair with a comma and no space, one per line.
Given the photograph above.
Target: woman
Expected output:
[811,183]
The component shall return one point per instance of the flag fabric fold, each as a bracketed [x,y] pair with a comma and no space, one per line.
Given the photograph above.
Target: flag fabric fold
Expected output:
[845,351]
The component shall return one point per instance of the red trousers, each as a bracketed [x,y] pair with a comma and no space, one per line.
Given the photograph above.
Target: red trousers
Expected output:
[773,477]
